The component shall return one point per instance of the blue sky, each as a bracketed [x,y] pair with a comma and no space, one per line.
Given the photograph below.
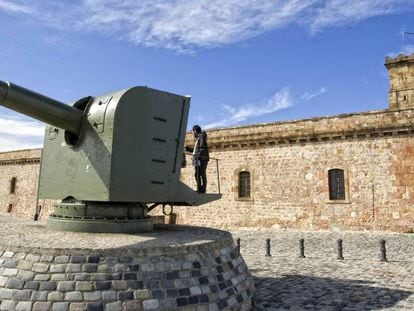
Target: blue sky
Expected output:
[242,61]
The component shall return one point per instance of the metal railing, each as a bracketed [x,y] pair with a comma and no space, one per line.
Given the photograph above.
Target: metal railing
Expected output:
[189,156]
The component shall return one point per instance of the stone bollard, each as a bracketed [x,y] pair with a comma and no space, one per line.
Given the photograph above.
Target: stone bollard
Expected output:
[302,248]
[383,251]
[238,244]
[340,249]
[268,248]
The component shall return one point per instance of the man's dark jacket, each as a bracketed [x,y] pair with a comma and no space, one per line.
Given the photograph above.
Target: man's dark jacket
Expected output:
[201,152]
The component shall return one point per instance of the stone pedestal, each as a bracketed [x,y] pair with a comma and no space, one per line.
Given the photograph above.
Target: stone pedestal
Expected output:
[171,268]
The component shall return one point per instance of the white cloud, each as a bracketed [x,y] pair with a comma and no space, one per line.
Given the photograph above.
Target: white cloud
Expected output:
[183,25]
[18,127]
[310,95]
[15,7]
[10,143]
[408,49]
[280,100]
[20,134]
[346,12]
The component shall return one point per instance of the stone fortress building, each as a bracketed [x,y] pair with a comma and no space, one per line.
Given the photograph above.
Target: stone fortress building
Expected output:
[345,172]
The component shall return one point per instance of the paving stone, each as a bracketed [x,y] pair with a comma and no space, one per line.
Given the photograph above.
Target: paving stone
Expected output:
[77,306]
[6,293]
[92,296]
[109,295]
[61,259]
[25,275]
[11,263]
[89,267]
[40,267]
[81,277]
[10,272]
[59,277]
[3,280]
[42,277]
[73,267]
[42,306]
[22,295]
[7,305]
[14,283]
[24,306]
[78,259]
[60,306]
[57,268]
[151,304]
[84,286]
[113,306]
[119,285]
[66,286]
[49,286]
[39,296]
[73,296]
[8,254]
[55,296]
[47,258]
[320,281]
[125,295]
[95,306]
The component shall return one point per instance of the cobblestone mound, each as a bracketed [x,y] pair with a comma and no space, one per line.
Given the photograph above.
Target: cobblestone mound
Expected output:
[171,268]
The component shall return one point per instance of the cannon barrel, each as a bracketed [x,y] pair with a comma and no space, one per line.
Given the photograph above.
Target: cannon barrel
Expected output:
[40,107]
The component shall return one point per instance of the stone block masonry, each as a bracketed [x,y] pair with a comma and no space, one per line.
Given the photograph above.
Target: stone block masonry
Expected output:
[172,268]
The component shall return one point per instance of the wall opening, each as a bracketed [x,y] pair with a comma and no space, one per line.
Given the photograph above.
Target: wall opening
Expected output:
[13,182]
[244,184]
[336,184]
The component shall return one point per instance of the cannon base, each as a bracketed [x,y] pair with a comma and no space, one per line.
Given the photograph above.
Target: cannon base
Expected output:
[173,268]
[100,217]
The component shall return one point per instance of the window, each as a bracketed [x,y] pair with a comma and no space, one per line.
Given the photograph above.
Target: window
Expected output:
[244,184]
[13,184]
[336,184]
[9,209]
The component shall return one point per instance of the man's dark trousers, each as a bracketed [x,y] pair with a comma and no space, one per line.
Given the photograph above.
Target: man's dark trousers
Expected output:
[201,177]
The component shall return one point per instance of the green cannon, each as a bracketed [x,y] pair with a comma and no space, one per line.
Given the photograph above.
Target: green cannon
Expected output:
[109,159]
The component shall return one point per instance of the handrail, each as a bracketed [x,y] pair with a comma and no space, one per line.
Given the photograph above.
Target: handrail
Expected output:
[217,168]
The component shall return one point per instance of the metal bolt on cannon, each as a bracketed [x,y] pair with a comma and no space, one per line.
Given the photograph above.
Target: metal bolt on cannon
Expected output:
[110,158]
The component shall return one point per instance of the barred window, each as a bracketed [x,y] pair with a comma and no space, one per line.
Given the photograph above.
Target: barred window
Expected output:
[13,184]
[244,184]
[336,184]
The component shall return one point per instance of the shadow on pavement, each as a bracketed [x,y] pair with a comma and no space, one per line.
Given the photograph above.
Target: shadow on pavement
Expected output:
[296,292]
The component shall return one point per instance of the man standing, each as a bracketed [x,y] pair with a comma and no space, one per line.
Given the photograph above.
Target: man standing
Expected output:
[200,158]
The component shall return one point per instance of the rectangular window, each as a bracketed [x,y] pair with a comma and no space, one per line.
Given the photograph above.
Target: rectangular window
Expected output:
[336,184]
[13,185]
[244,184]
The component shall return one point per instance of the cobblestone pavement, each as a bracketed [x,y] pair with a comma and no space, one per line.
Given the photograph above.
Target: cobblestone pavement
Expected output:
[321,281]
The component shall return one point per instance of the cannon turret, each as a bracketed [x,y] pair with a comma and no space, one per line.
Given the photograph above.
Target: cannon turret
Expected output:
[109,158]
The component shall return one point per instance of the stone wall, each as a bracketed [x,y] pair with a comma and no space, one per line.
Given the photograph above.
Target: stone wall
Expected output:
[173,268]
[401,72]
[24,166]
[290,186]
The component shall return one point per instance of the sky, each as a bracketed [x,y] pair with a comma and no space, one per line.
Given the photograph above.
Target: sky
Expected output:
[242,61]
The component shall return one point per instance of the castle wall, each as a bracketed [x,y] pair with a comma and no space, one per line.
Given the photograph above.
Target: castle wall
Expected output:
[24,165]
[290,186]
